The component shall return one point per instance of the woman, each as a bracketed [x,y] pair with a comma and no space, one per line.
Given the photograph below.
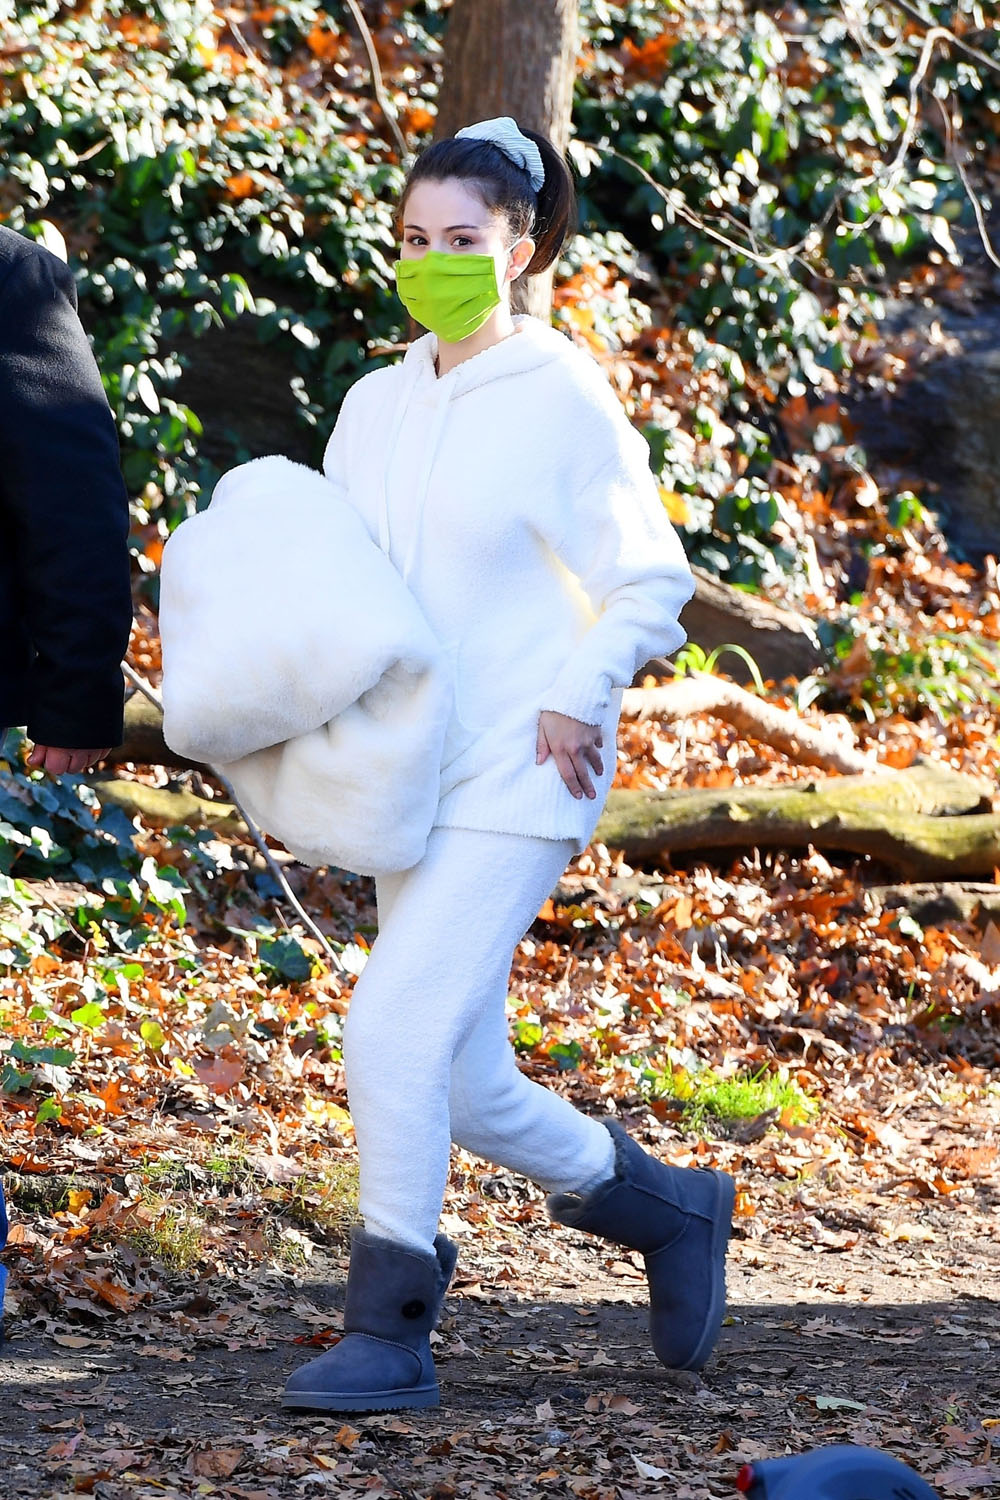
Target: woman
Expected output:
[499,473]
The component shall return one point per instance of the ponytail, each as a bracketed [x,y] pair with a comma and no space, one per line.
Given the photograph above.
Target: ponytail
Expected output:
[555,217]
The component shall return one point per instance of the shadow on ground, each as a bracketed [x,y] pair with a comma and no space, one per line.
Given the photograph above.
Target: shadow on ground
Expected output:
[557,1396]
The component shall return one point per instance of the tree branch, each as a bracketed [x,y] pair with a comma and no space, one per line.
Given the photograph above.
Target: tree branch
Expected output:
[955,41]
[377,82]
[970,192]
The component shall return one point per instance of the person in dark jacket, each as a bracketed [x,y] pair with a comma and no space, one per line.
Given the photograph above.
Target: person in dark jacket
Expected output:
[65,600]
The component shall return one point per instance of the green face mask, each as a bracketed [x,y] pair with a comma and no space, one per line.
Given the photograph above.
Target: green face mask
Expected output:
[450,294]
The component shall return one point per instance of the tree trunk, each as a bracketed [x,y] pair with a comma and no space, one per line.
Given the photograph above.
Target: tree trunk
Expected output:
[923,822]
[511,57]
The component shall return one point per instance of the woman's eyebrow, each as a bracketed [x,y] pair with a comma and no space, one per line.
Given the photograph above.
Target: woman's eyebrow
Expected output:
[450,230]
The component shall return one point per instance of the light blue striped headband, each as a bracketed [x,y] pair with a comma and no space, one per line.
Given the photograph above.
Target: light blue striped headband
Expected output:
[504,133]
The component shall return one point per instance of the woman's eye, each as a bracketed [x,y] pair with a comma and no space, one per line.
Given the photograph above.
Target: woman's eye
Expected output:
[416,239]
[462,241]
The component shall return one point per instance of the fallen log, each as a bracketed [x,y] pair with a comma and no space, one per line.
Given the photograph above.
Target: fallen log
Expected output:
[828,745]
[781,642]
[930,904]
[166,807]
[144,744]
[924,823]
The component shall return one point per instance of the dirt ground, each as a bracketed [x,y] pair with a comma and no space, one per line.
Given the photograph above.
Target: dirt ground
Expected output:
[548,1383]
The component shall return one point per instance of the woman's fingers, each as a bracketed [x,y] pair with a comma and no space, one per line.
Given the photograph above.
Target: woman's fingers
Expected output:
[568,771]
[56,762]
[575,747]
[60,762]
[583,773]
[592,752]
[573,770]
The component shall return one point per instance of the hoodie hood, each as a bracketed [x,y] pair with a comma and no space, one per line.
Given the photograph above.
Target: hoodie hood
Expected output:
[533,345]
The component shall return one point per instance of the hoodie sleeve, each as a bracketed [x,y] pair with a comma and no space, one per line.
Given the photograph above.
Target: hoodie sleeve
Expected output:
[617,540]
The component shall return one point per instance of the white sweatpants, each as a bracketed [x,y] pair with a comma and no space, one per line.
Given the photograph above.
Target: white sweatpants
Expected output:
[427,1053]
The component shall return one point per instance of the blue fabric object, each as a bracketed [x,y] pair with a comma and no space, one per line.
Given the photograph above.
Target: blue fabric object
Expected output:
[842,1471]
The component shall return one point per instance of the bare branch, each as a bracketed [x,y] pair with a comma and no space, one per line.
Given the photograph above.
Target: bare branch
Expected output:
[970,192]
[983,58]
[828,744]
[675,201]
[935,35]
[377,82]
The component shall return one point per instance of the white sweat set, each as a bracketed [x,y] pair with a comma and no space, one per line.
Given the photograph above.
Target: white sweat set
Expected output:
[516,500]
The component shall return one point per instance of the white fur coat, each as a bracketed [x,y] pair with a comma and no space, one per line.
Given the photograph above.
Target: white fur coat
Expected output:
[297,662]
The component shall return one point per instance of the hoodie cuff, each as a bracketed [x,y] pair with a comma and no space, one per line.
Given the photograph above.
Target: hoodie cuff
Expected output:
[579,694]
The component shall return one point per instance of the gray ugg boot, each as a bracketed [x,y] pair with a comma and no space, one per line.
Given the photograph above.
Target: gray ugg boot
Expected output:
[678,1218]
[394,1297]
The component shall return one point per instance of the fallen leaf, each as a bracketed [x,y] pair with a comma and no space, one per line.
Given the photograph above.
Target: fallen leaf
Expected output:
[220,1074]
[959,1479]
[109,1291]
[66,1447]
[909,1233]
[216,1463]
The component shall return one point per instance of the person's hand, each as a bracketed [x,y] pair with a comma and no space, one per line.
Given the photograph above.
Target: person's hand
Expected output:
[573,746]
[60,762]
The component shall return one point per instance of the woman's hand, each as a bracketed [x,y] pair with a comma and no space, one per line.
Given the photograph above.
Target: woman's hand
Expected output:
[574,748]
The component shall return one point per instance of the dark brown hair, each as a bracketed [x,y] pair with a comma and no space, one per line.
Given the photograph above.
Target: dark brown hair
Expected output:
[548,216]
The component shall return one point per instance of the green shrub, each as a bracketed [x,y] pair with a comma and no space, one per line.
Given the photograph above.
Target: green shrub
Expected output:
[779,134]
[201,179]
[186,177]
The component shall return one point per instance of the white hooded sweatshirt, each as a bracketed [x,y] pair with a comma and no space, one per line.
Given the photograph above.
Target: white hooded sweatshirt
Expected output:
[516,500]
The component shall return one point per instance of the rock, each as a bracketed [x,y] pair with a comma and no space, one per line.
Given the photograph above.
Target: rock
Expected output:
[942,422]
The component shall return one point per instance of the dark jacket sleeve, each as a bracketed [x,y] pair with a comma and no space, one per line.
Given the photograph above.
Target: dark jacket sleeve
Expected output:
[65,508]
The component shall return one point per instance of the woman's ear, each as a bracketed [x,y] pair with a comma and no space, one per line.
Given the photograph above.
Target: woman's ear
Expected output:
[520,258]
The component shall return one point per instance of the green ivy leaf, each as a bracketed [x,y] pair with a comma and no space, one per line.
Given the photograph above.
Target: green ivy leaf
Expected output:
[285,957]
[90,1015]
[152,1034]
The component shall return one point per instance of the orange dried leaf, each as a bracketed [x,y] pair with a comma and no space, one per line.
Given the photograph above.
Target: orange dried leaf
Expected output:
[111,1292]
[324,44]
[416,120]
[241,185]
